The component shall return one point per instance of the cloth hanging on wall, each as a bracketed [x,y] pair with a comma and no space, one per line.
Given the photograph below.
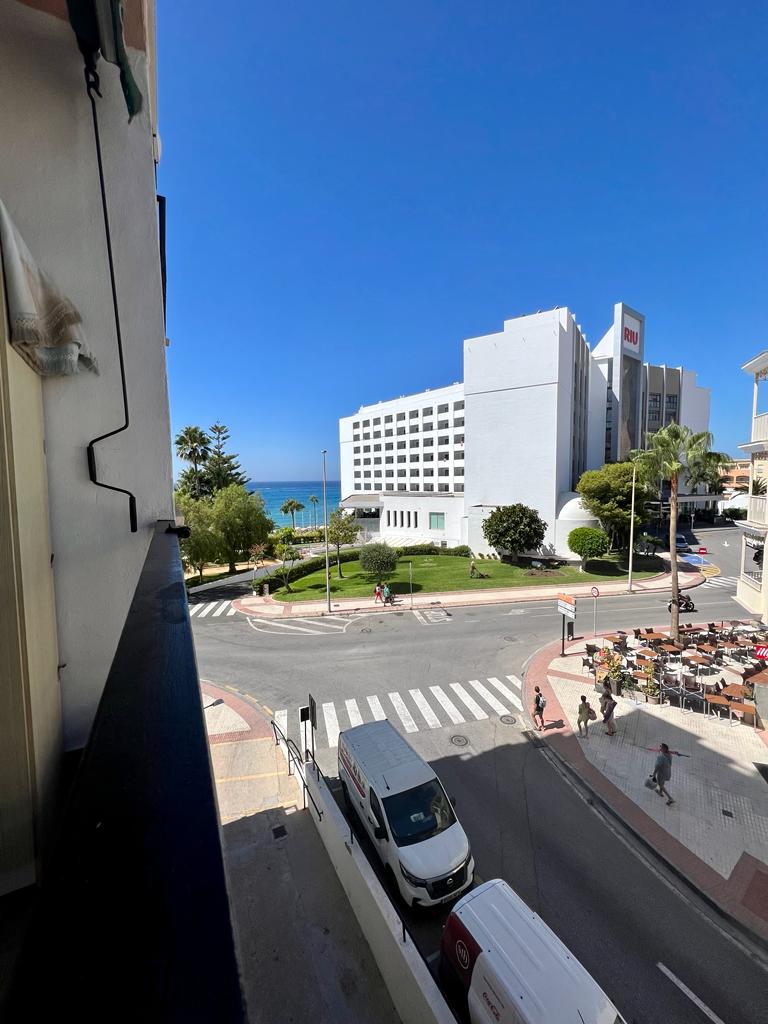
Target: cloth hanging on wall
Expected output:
[45,326]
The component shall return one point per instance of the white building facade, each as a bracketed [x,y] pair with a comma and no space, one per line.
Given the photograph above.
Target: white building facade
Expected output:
[535,410]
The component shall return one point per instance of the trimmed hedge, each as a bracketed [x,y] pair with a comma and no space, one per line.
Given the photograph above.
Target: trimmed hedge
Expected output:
[462,551]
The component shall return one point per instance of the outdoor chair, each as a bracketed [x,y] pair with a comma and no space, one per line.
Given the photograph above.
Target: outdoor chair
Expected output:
[670,689]
[693,696]
[636,634]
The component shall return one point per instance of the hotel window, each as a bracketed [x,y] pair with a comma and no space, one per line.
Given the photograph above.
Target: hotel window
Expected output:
[427,411]
[389,459]
[428,441]
[415,487]
[415,444]
[401,514]
[458,421]
[443,487]
[355,437]
[458,488]
[356,426]
[458,455]
[389,472]
[415,520]
[388,433]
[413,414]
[443,472]
[428,426]
[429,472]
[357,472]
[366,462]
[389,446]
[358,487]
[400,445]
[390,487]
[366,472]
[429,487]
[443,440]
[357,450]
[387,419]
[415,472]
[414,429]
[429,457]
[401,416]
[377,421]
[388,522]
[401,458]
[442,408]
[458,405]
[458,439]
[366,448]
[377,447]
[443,456]
[377,433]
[366,423]
[408,514]
[437,520]
[415,458]
[402,487]
[357,462]
[458,471]
[366,436]
[401,430]
[401,472]
[377,461]
[442,424]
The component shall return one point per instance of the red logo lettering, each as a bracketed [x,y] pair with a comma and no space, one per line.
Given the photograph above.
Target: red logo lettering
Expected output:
[633,337]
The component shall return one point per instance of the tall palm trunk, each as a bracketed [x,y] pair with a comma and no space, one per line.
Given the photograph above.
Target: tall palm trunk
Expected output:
[673,558]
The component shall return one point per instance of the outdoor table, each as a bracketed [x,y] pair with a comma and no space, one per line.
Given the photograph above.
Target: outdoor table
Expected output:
[654,636]
[735,690]
[729,645]
[669,648]
[614,638]
[749,708]
[645,652]
[716,699]
[707,648]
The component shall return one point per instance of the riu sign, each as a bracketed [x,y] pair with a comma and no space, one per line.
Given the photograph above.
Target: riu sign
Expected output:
[631,337]
[630,334]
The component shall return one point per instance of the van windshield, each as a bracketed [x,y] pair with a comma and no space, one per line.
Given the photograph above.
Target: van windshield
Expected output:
[419,813]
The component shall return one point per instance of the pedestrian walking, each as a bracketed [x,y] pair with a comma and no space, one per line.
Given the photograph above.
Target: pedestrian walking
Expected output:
[472,568]
[662,772]
[608,709]
[539,703]
[586,714]
[377,595]
[388,599]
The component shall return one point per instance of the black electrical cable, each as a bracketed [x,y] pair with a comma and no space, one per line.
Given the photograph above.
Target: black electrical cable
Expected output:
[92,88]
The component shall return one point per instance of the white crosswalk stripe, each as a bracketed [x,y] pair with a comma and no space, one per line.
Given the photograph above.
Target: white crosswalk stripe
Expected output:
[194,608]
[469,701]
[376,709]
[232,611]
[488,697]
[221,609]
[722,581]
[447,705]
[355,718]
[505,691]
[403,713]
[421,703]
[206,609]
[331,724]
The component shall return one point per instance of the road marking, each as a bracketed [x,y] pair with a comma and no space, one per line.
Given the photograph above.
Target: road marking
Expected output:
[331,724]
[403,713]
[355,718]
[488,697]
[194,608]
[220,610]
[284,625]
[709,1014]
[321,622]
[421,703]
[417,614]
[376,709]
[232,611]
[206,609]
[447,705]
[471,703]
[503,689]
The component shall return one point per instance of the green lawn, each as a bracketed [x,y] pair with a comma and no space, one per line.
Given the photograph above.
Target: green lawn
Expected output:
[433,573]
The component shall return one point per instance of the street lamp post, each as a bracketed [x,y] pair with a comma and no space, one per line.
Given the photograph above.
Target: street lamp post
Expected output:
[632,527]
[325,529]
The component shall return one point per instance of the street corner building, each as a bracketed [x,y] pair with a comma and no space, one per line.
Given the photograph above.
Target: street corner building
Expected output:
[537,407]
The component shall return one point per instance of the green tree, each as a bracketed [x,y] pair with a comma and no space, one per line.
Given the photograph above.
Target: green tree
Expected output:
[758,485]
[221,467]
[193,445]
[670,451]
[607,494]
[289,508]
[378,560]
[704,470]
[342,529]
[314,500]
[288,555]
[202,546]
[512,529]
[240,521]
[588,542]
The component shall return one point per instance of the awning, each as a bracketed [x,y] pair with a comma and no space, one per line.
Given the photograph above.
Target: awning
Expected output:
[98,25]
[361,501]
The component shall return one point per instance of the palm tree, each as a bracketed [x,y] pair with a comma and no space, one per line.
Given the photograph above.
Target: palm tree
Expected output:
[193,445]
[705,469]
[289,508]
[314,499]
[671,450]
[758,485]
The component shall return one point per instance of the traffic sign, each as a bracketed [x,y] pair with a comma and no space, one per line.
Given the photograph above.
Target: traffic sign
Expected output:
[566,605]
[595,592]
[703,551]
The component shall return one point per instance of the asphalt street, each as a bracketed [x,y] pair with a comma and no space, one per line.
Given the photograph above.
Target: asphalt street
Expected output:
[527,822]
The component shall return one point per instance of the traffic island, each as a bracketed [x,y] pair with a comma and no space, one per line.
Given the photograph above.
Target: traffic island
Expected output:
[715,834]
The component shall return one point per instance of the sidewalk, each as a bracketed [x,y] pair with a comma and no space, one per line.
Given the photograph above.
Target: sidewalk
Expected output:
[268,606]
[716,833]
[302,955]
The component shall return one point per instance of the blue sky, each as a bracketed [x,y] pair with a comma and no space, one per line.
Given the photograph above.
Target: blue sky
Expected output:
[353,189]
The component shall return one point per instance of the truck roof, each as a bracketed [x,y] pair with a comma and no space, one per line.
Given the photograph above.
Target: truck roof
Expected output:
[389,762]
[537,971]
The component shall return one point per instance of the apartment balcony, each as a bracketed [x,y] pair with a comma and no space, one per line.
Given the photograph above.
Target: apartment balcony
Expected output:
[758,511]
[132,920]
[760,427]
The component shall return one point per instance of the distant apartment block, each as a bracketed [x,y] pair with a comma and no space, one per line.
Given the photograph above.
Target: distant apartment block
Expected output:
[536,409]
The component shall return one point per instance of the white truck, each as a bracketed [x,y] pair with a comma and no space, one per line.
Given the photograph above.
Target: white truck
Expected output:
[512,969]
[407,814]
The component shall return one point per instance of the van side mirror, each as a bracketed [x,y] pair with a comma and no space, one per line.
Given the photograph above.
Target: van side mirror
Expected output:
[380,832]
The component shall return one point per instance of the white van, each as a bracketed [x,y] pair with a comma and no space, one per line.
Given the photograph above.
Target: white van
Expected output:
[405,810]
[513,968]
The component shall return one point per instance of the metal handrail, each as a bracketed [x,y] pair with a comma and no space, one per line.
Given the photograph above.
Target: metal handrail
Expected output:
[294,757]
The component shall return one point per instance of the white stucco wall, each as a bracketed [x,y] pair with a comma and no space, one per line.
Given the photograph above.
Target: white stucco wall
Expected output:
[598,392]
[48,181]
[398,536]
[694,402]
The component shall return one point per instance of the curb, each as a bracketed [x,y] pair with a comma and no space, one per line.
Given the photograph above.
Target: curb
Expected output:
[746,934]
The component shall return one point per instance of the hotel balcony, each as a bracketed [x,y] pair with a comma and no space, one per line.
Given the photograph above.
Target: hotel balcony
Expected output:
[758,511]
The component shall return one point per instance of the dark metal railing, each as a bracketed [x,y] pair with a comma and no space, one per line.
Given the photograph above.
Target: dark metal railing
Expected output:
[133,918]
[293,754]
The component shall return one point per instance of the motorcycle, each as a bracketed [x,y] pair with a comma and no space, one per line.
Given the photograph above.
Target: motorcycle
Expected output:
[685,604]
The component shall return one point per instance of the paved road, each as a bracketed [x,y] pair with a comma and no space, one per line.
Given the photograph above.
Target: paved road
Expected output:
[526,822]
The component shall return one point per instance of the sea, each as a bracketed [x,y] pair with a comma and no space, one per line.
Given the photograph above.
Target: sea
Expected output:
[275,492]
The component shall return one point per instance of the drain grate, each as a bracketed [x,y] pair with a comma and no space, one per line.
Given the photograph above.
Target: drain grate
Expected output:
[459,741]
[727,814]
[279,832]
[508,719]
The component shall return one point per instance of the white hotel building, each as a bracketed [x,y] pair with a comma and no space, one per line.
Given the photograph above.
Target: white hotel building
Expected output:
[536,409]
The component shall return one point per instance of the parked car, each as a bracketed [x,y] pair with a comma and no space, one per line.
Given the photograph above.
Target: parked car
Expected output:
[512,967]
[404,809]
[682,543]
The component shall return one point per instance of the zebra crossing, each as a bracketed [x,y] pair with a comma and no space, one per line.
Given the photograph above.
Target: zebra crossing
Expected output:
[414,710]
[726,582]
[201,609]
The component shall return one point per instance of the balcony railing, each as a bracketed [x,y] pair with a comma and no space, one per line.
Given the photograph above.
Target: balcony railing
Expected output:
[133,921]
[760,427]
[755,578]
[758,510]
